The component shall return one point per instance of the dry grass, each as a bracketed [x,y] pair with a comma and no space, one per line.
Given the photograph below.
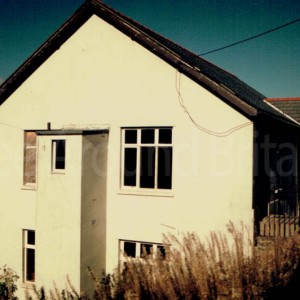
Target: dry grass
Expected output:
[219,268]
[216,269]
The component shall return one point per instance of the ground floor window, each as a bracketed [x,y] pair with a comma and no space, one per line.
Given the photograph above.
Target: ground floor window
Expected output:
[28,256]
[137,249]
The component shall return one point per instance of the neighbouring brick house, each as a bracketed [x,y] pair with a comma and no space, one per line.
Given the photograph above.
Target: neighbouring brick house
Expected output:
[290,106]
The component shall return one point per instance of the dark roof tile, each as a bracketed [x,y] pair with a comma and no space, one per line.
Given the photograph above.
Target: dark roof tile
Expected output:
[290,106]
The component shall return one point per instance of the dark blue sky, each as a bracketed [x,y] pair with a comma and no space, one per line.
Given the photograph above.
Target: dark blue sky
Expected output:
[270,64]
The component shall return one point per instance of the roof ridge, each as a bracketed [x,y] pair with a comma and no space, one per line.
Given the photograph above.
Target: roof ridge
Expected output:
[196,59]
[283,99]
[146,30]
[139,26]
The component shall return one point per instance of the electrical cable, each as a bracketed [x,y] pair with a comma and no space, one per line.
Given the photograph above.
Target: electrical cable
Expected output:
[12,126]
[250,38]
[202,128]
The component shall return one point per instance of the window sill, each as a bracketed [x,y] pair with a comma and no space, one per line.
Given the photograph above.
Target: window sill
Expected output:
[154,193]
[29,187]
[28,285]
[54,172]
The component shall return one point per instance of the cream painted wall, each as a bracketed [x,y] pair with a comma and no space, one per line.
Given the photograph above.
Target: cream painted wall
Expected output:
[100,76]
[58,222]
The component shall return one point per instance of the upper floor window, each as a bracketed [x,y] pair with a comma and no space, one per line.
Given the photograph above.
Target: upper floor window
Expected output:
[147,158]
[30,152]
[58,155]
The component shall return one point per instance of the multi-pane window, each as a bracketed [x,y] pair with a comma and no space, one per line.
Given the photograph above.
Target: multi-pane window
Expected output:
[147,158]
[30,152]
[58,155]
[28,255]
[135,249]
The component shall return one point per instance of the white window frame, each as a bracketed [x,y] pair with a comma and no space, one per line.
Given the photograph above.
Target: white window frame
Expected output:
[138,145]
[138,244]
[53,158]
[25,247]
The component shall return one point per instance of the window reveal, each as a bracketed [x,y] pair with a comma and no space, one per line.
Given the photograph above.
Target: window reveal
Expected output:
[147,158]
[30,153]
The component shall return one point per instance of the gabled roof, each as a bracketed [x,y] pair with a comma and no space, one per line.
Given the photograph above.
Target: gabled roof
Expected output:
[221,83]
[290,106]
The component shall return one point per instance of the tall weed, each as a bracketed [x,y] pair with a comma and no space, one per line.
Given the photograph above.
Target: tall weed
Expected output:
[218,268]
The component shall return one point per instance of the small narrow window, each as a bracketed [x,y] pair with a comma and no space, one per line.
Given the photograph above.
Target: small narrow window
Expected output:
[30,152]
[28,256]
[58,155]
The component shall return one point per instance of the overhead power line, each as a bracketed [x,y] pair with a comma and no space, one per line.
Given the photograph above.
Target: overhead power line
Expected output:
[250,38]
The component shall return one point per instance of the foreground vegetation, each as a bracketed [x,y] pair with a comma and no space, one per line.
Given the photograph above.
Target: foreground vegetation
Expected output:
[217,269]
